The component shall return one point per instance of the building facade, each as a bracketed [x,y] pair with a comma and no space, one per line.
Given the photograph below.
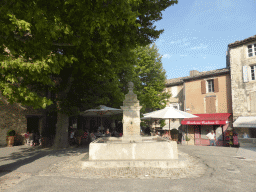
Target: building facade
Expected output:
[208,96]
[242,64]
[175,88]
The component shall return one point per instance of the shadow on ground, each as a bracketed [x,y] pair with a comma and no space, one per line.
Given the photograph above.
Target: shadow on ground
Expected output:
[10,161]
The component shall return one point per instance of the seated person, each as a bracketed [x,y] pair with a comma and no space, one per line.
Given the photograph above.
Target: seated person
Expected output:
[98,134]
[166,135]
[92,137]
[108,134]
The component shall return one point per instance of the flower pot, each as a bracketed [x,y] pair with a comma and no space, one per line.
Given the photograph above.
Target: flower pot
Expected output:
[10,141]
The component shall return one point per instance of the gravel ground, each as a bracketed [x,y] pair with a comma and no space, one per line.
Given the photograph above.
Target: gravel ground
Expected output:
[72,168]
[12,178]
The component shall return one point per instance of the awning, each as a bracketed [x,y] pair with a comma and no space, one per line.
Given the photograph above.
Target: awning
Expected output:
[208,119]
[245,122]
[174,125]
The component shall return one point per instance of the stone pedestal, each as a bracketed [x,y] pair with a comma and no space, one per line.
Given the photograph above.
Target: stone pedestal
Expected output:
[131,117]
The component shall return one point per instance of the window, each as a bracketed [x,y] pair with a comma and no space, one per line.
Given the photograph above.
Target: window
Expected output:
[251,50]
[253,70]
[175,105]
[210,85]
[249,73]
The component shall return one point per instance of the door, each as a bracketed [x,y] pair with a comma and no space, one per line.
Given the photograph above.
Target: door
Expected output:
[33,124]
[197,135]
[219,135]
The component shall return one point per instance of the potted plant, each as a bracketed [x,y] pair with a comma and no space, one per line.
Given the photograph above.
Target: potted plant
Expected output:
[10,137]
[78,134]
[18,139]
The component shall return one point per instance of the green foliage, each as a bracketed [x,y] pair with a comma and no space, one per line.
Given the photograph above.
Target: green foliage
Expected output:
[147,74]
[91,41]
[174,131]
[11,132]
[187,138]
[74,50]
[162,122]
[143,124]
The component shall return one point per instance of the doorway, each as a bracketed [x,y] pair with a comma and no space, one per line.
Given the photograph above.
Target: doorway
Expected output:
[33,124]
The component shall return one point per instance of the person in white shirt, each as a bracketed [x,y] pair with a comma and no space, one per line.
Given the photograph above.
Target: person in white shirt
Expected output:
[72,139]
[212,138]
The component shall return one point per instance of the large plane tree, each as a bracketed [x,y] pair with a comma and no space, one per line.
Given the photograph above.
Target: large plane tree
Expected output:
[71,48]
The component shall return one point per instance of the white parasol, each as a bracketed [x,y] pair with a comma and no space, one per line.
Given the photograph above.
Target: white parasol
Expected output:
[168,113]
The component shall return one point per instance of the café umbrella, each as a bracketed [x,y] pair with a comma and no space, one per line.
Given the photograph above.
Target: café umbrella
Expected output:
[100,111]
[168,113]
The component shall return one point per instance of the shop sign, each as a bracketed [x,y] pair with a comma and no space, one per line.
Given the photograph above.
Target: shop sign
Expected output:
[203,122]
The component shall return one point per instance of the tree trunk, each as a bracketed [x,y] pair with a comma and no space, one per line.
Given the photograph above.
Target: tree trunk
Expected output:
[61,137]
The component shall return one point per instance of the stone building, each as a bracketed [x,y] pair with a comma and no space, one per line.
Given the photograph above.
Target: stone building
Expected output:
[242,64]
[19,118]
[175,87]
[207,95]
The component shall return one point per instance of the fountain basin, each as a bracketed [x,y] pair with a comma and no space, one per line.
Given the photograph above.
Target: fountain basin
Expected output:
[150,148]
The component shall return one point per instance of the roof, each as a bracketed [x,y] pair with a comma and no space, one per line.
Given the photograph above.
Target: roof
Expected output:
[175,81]
[207,74]
[180,80]
[238,43]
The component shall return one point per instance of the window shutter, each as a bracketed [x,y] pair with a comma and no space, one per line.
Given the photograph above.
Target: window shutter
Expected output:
[203,88]
[245,73]
[210,104]
[216,85]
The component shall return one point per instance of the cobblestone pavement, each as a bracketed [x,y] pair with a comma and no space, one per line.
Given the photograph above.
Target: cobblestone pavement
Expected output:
[213,165]
[20,163]
[71,167]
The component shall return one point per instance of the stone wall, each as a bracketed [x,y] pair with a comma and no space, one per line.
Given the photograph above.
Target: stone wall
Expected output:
[241,90]
[13,116]
[177,97]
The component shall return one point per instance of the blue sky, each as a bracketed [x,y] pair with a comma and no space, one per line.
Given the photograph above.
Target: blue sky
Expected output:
[197,33]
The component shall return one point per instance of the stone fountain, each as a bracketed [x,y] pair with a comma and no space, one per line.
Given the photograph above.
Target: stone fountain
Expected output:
[132,149]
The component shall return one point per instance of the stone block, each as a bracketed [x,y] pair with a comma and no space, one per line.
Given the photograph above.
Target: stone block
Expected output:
[150,150]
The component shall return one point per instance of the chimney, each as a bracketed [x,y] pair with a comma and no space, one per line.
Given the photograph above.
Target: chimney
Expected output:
[194,72]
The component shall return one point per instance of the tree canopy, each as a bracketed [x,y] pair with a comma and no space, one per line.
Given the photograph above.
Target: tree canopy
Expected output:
[71,48]
[148,75]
